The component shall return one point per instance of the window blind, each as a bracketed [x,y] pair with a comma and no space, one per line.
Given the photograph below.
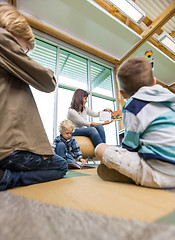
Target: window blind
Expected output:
[45,54]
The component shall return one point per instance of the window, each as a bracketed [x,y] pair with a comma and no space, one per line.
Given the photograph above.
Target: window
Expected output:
[102,96]
[110,129]
[79,72]
[64,100]
[101,79]
[45,54]
[72,70]
[75,71]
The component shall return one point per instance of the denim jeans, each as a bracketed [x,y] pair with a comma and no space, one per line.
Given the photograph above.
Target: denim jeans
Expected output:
[26,168]
[61,151]
[96,134]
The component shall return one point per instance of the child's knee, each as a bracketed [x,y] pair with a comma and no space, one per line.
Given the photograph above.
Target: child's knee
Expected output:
[99,150]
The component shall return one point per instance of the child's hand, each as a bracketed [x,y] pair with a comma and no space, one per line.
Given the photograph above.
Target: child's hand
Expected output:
[82,160]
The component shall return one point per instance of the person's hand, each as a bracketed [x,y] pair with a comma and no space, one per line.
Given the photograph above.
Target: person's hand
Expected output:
[107,122]
[83,161]
[104,123]
[108,110]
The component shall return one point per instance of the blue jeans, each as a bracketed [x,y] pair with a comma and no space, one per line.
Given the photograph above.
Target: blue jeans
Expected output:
[96,134]
[61,151]
[26,168]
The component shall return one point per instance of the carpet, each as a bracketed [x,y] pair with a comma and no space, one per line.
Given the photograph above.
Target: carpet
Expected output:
[82,206]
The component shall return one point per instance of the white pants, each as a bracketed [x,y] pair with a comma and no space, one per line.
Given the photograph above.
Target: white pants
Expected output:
[136,168]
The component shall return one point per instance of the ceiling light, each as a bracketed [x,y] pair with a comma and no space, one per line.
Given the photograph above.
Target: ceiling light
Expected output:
[129,8]
[167,41]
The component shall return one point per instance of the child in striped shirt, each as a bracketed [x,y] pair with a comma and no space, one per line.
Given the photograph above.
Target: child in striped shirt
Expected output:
[147,154]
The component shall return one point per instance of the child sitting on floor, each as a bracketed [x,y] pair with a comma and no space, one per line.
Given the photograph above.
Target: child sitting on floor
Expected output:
[66,146]
[147,156]
[26,156]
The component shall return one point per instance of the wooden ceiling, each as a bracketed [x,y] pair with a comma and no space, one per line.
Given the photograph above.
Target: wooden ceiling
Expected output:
[149,26]
[161,11]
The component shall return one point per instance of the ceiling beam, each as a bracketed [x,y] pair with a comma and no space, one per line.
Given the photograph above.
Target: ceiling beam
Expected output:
[167,14]
[171,87]
[147,21]
[12,2]
[116,13]
[163,18]
[172,34]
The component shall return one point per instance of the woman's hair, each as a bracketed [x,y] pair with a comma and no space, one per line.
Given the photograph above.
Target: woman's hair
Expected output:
[133,74]
[77,100]
[66,125]
[15,23]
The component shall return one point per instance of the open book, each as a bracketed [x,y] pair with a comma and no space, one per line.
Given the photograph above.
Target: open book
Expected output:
[80,165]
[115,116]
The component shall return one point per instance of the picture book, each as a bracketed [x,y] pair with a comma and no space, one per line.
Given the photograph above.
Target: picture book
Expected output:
[115,116]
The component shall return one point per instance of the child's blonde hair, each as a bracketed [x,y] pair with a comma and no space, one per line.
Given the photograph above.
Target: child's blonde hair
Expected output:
[66,125]
[15,23]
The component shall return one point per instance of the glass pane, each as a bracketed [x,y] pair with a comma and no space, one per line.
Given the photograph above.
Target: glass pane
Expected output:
[101,79]
[45,54]
[73,70]
[64,101]
[98,104]
[45,104]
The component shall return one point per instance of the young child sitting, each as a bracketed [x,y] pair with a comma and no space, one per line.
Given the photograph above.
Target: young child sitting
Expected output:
[66,146]
[147,154]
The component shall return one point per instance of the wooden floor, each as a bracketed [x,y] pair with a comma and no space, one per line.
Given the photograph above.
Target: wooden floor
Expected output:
[84,190]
